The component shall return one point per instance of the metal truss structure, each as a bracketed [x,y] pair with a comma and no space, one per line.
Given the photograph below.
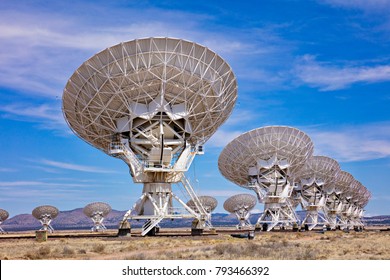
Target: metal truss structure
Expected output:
[263,160]
[3,216]
[97,211]
[241,205]
[316,182]
[45,214]
[152,103]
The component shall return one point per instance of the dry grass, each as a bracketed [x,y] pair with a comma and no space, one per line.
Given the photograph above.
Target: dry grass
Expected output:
[273,245]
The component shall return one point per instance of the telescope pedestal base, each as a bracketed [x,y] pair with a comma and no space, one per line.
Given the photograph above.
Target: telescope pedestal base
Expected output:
[313,219]
[196,231]
[124,229]
[276,214]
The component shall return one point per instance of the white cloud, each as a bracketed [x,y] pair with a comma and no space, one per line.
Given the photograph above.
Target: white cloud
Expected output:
[382,6]
[75,167]
[353,143]
[222,137]
[3,169]
[329,77]
[39,51]
[47,116]
[221,193]
[39,184]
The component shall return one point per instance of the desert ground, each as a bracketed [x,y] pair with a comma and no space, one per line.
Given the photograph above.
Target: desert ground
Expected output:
[371,244]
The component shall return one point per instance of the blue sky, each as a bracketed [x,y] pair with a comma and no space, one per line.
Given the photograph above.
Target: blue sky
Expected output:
[320,66]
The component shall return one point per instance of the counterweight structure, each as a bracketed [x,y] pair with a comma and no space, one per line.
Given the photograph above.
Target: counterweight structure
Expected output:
[45,214]
[241,205]
[316,182]
[3,216]
[97,211]
[152,103]
[263,160]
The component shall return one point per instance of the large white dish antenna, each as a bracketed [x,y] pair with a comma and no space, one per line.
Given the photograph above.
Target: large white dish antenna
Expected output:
[316,181]
[126,87]
[264,160]
[241,205]
[266,146]
[45,214]
[97,211]
[334,203]
[153,103]
[209,203]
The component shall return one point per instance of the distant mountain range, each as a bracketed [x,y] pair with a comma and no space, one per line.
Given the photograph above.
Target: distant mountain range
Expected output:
[75,219]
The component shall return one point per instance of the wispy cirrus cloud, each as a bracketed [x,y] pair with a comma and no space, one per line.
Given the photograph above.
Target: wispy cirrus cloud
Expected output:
[39,184]
[382,6]
[5,169]
[353,143]
[222,137]
[47,116]
[328,77]
[39,51]
[74,167]
[222,193]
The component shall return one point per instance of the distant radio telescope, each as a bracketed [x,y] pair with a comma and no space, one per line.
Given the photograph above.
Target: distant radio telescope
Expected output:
[263,160]
[359,200]
[45,214]
[241,205]
[316,180]
[152,103]
[97,211]
[334,203]
[3,216]
[209,203]
[354,198]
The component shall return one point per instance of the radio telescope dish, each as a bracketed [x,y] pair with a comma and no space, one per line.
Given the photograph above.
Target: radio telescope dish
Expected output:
[209,203]
[152,103]
[358,201]
[45,214]
[316,181]
[347,209]
[334,203]
[263,160]
[3,216]
[241,205]
[97,211]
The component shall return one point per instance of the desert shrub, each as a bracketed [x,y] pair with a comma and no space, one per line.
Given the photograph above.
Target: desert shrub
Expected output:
[81,251]
[68,250]
[44,251]
[98,248]
[139,256]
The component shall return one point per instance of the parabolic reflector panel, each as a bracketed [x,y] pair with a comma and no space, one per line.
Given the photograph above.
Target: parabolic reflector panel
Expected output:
[45,210]
[320,169]
[138,80]
[3,215]
[286,145]
[208,202]
[239,201]
[94,207]
[343,181]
